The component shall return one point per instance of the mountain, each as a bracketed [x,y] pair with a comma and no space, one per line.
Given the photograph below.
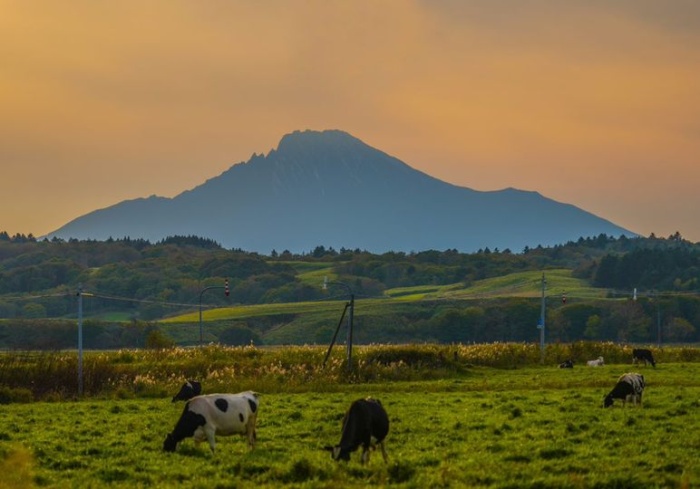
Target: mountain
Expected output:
[329,188]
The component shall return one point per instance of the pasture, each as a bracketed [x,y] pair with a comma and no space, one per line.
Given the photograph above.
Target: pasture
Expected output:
[526,427]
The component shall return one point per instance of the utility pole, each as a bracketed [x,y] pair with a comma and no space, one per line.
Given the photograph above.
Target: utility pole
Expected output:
[351,314]
[542,319]
[349,306]
[80,340]
[226,293]
[658,322]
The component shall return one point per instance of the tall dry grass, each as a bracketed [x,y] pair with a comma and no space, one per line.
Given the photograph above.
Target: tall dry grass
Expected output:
[27,376]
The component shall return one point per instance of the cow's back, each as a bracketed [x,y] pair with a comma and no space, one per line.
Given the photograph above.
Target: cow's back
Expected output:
[228,413]
[380,420]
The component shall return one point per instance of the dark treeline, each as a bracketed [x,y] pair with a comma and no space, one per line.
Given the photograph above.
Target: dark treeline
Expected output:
[672,269]
[667,319]
[147,280]
[142,281]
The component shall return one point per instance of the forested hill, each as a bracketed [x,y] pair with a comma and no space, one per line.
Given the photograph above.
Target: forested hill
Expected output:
[143,293]
[159,279]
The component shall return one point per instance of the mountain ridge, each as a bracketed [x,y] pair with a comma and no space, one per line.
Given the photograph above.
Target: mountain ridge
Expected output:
[330,188]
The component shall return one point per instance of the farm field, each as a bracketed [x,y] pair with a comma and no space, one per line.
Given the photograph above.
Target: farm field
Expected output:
[519,284]
[488,427]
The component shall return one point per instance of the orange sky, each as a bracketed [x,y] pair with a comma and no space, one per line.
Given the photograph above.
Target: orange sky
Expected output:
[589,102]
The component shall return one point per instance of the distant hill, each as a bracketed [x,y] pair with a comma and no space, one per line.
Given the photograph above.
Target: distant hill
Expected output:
[329,188]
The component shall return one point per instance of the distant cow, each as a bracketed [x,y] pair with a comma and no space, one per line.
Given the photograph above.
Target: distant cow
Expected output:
[366,423]
[629,388]
[189,389]
[566,364]
[206,416]
[598,362]
[642,354]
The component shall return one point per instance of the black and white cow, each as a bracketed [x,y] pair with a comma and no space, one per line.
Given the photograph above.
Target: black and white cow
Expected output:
[566,364]
[206,416]
[366,423]
[189,389]
[629,388]
[642,354]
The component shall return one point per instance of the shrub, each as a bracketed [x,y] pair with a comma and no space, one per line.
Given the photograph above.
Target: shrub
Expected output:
[15,394]
[156,340]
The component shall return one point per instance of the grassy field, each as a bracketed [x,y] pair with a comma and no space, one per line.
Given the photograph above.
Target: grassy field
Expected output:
[520,284]
[523,284]
[314,321]
[528,427]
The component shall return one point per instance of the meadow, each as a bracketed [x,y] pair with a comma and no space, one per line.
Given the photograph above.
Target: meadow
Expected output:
[518,284]
[461,416]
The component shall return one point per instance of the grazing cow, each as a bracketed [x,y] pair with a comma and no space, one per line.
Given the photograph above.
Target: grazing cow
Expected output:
[642,354]
[566,364]
[206,416]
[629,388]
[188,390]
[598,362]
[366,423]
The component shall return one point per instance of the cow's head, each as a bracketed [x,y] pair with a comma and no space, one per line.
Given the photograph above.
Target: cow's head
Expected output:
[189,389]
[608,400]
[169,445]
[338,452]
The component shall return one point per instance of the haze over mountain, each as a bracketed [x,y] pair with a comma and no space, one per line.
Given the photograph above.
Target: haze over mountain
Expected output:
[329,188]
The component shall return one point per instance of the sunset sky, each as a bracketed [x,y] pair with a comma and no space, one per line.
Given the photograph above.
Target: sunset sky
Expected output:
[595,103]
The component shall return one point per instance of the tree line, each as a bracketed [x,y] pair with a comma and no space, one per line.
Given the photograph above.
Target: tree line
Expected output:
[141,281]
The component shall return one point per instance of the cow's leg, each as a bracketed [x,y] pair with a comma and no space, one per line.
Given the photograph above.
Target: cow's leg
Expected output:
[198,436]
[250,431]
[211,438]
[381,445]
[365,454]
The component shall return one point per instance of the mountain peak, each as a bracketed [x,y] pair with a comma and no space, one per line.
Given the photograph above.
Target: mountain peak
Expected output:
[328,157]
[319,141]
[328,136]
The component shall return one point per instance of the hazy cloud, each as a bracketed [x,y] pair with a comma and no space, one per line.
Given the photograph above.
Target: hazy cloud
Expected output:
[587,101]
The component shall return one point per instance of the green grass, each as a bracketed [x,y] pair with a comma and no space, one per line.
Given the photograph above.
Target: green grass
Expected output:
[313,273]
[117,316]
[523,284]
[238,312]
[520,284]
[532,427]
[315,322]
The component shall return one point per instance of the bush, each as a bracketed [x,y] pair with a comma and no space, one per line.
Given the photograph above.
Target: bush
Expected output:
[17,394]
[157,340]
[239,336]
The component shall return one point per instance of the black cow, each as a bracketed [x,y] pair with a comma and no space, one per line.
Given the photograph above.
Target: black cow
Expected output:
[629,387]
[366,423]
[189,389]
[566,364]
[642,354]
